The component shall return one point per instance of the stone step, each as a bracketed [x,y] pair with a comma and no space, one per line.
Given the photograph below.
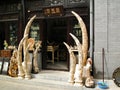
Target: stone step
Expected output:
[41,80]
[52,75]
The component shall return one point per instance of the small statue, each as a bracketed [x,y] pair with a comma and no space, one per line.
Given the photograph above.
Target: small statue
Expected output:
[89,83]
[5,44]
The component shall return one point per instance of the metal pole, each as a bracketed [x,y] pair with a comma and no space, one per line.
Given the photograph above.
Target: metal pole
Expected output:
[91,27]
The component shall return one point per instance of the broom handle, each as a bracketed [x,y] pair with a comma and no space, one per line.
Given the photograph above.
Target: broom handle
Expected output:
[103,62]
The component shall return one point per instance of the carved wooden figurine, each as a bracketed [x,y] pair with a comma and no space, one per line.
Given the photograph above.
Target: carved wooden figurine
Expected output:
[13,67]
[89,79]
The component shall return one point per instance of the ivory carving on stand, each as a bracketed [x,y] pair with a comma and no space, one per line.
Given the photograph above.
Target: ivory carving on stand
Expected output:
[25,45]
[84,65]
[24,70]
[19,58]
[72,63]
[35,56]
[84,37]
[27,68]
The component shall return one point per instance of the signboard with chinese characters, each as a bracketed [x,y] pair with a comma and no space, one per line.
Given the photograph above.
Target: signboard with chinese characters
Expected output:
[53,11]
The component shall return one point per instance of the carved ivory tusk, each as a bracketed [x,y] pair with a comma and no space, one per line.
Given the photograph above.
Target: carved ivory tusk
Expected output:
[84,37]
[19,57]
[72,63]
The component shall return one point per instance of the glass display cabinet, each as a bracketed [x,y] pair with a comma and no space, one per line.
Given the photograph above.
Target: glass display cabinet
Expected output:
[13,27]
[35,31]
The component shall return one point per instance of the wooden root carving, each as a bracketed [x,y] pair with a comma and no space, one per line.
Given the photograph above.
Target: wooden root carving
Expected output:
[35,56]
[13,67]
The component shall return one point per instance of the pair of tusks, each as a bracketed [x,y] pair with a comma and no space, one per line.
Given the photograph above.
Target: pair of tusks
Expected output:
[82,48]
[23,43]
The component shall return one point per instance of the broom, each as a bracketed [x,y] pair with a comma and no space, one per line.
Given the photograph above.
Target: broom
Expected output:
[102,84]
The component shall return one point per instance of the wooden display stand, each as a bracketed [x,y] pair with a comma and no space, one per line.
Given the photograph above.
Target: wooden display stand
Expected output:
[5,59]
[52,49]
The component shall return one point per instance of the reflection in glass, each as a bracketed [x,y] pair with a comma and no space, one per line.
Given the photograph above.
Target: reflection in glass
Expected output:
[35,31]
[13,34]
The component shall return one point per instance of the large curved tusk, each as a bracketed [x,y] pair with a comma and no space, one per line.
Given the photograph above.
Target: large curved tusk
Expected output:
[72,63]
[27,28]
[84,36]
[19,57]
[68,47]
[21,42]
[79,46]
[26,56]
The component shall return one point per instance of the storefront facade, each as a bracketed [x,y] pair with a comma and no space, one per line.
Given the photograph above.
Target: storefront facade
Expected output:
[52,28]
[52,25]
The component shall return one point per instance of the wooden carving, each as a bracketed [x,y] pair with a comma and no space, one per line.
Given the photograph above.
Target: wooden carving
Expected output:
[13,67]
[32,41]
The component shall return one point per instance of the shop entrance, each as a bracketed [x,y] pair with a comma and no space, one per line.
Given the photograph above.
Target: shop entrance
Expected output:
[2,35]
[56,51]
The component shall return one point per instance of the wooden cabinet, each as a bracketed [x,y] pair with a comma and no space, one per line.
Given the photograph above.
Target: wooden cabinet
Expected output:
[5,53]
